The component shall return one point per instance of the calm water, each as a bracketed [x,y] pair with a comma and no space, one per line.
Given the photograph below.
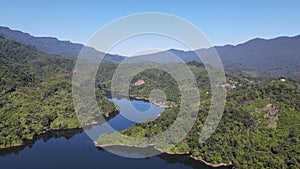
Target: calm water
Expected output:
[73,149]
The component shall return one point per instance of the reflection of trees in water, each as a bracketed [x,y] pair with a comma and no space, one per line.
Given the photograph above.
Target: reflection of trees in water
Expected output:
[184,159]
[66,133]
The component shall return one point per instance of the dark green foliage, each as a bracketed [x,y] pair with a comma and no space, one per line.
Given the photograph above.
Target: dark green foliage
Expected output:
[36,96]
[36,93]
[244,136]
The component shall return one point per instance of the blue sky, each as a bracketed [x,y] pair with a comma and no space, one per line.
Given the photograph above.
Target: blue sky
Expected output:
[223,22]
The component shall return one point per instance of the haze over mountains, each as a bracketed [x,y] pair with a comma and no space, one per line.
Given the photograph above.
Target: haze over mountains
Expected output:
[52,45]
[278,57]
[258,57]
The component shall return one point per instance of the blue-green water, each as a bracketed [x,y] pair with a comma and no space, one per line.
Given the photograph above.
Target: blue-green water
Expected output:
[73,149]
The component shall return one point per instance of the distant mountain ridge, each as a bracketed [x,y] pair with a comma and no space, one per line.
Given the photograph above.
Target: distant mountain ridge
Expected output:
[278,57]
[52,45]
[273,57]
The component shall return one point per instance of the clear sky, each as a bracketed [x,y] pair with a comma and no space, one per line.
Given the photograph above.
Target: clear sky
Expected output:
[222,21]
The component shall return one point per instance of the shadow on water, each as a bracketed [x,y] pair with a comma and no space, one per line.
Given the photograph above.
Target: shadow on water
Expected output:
[72,135]
[187,160]
[66,133]
[184,159]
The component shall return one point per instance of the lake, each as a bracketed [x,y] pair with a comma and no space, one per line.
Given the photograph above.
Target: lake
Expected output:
[74,149]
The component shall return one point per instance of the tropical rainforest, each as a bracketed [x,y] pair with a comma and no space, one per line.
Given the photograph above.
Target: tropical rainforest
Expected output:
[259,127]
[36,93]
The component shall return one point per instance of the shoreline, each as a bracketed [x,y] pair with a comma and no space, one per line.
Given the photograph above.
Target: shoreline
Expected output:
[49,130]
[36,136]
[168,153]
[106,117]
[147,100]
[109,116]
[138,98]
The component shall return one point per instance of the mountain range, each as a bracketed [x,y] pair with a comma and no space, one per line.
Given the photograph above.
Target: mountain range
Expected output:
[51,45]
[278,57]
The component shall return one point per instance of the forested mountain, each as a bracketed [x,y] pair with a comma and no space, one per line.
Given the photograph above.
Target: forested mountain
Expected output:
[259,127]
[52,45]
[256,58]
[260,57]
[278,57]
[36,93]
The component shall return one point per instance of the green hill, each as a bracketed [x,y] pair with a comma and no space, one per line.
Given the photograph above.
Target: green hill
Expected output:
[259,128]
[35,93]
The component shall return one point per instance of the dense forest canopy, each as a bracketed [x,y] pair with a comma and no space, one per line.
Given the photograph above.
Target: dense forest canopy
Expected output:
[278,57]
[36,93]
[259,127]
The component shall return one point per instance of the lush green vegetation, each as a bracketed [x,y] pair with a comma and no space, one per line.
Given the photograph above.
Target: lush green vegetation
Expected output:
[36,93]
[259,128]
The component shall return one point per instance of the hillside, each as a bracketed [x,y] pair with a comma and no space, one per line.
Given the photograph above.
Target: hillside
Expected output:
[36,93]
[278,57]
[259,127]
[274,57]
[52,45]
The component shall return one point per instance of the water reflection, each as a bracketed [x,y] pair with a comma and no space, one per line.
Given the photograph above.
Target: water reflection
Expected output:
[72,148]
[65,133]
